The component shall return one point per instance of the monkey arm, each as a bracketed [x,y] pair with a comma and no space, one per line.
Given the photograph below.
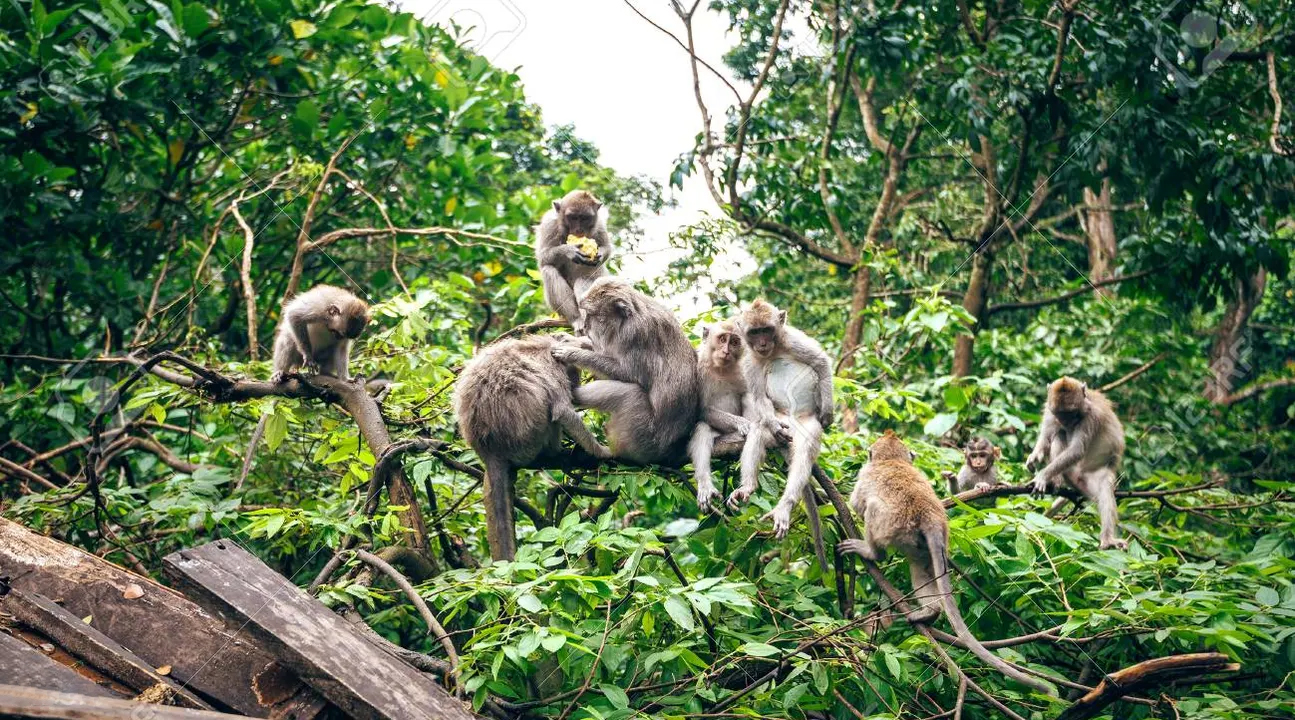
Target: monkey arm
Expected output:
[813,357]
[725,422]
[551,256]
[558,294]
[597,363]
[299,323]
[1047,430]
[1072,454]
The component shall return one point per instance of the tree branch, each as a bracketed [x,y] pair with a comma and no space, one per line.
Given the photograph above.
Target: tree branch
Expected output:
[1175,668]
[1087,288]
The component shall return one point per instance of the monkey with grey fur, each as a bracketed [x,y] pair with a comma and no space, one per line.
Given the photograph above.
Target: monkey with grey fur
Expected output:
[1082,442]
[977,470]
[513,403]
[901,512]
[565,271]
[647,372]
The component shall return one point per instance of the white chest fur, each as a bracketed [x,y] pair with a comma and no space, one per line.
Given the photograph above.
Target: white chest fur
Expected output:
[792,386]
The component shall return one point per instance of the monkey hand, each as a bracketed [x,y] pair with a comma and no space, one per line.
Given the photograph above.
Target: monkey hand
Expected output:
[1115,543]
[856,547]
[983,486]
[594,261]
[310,366]
[566,354]
[739,496]
[277,377]
[781,516]
[1039,486]
[825,417]
[707,496]
[1034,460]
[780,430]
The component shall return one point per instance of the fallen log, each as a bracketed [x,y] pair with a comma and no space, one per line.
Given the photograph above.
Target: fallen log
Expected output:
[26,702]
[311,640]
[161,626]
[1175,668]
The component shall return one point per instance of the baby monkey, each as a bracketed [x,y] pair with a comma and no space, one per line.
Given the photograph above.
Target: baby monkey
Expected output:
[316,331]
[565,270]
[977,467]
[901,511]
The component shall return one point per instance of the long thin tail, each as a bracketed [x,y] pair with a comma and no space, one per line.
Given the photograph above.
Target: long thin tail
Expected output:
[815,525]
[937,545]
[251,451]
[501,531]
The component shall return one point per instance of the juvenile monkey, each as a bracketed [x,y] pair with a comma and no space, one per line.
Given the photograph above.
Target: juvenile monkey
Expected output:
[900,511]
[565,270]
[647,370]
[316,331]
[789,379]
[513,402]
[727,416]
[977,467]
[1084,441]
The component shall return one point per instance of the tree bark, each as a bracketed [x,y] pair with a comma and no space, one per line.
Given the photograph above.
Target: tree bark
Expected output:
[1099,234]
[859,298]
[1229,354]
[975,301]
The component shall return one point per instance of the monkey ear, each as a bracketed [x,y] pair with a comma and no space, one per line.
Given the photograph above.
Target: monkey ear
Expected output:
[598,206]
[1083,389]
[333,311]
[998,452]
[621,307]
[557,206]
[912,456]
[782,317]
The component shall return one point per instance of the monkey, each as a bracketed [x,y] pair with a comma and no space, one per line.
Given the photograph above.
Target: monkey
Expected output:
[565,270]
[513,403]
[1082,441]
[315,331]
[727,412]
[789,378]
[647,372]
[900,511]
[977,467]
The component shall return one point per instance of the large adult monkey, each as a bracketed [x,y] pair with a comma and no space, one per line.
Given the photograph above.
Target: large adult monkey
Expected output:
[513,402]
[565,269]
[789,378]
[900,511]
[647,372]
[1082,441]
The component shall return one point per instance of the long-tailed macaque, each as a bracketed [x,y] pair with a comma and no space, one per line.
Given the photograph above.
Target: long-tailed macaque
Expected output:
[727,417]
[900,511]
[1084,441]
[513,402]
[565,269]
[789,378]
[647,370]
[977,470]
[316,331]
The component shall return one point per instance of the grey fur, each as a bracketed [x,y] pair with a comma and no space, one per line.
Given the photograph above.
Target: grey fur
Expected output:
[565,272]
[969,478]
[513,402]
[316,330]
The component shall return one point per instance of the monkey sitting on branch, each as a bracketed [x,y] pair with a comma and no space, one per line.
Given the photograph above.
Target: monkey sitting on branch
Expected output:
[569,263]
[728,415]
[1082,441]
[900,511]
[647,372]
[977,472]
[513,403]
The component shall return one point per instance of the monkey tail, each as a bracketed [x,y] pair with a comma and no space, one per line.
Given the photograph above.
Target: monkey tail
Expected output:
[501,532]
[938,547]
[251,452]
[815,526]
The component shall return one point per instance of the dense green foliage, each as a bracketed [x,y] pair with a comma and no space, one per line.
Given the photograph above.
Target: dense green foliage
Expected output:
[134,131]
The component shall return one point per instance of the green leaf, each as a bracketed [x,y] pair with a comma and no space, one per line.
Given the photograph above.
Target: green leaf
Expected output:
[276,430]
[616,696]
[553,642]
[302,28]
[530,603]
[759,649]
[1268,596]
[678,611]
[940,424]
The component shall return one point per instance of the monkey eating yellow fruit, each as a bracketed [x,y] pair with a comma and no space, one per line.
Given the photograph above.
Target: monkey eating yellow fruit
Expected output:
[588,246]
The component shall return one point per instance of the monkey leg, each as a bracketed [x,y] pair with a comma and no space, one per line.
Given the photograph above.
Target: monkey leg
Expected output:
[558,294]
[287,358]
[575,428]
[801,455]
[1099,487]
[753,452]
[610,396]
[926,594]
[699,450]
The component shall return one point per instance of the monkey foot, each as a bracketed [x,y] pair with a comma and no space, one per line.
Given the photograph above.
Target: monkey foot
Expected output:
[781,522]
[707,497]
[858,547]
[1108,544]
[737,498]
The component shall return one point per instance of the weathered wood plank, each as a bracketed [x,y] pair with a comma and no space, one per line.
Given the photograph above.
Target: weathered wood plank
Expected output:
[22,664]
[84,641]
[324,651]
[22,702]
[162,627]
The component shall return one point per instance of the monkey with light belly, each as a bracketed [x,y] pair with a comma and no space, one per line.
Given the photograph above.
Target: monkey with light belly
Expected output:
[1082,441]
[513,403]
[571,247]
[977,468]
[901,512]
[316,331]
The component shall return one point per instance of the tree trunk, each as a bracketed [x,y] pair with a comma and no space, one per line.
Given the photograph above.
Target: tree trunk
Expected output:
[975,300]
[859,298]
[1229,355]
[1099,233]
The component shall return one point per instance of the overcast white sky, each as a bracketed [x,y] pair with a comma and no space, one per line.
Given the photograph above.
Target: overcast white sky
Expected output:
[624,85]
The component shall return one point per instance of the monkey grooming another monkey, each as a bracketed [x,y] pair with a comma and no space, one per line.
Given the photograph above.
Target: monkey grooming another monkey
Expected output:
[647,370]
[789,378]
[900,511]
[1084,441]
[565,270]
[315,331]
[977,467]
[727,415]
[513,403]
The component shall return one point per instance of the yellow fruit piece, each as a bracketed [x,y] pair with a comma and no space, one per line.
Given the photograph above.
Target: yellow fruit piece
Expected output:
[588,246]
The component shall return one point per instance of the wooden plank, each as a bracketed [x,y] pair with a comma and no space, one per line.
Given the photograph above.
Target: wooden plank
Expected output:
[322,648]
[22,664]
[21,702]
[95,648]
[162,627]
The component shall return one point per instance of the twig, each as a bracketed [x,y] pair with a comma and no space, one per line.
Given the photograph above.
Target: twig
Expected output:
[607,628]
[1151,363]
[245,272]
[1175,668]
[433,625]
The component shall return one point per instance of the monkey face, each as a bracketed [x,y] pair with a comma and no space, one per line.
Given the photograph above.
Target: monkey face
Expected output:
[725,348]
[763,340]
[981,454]
[580,221]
